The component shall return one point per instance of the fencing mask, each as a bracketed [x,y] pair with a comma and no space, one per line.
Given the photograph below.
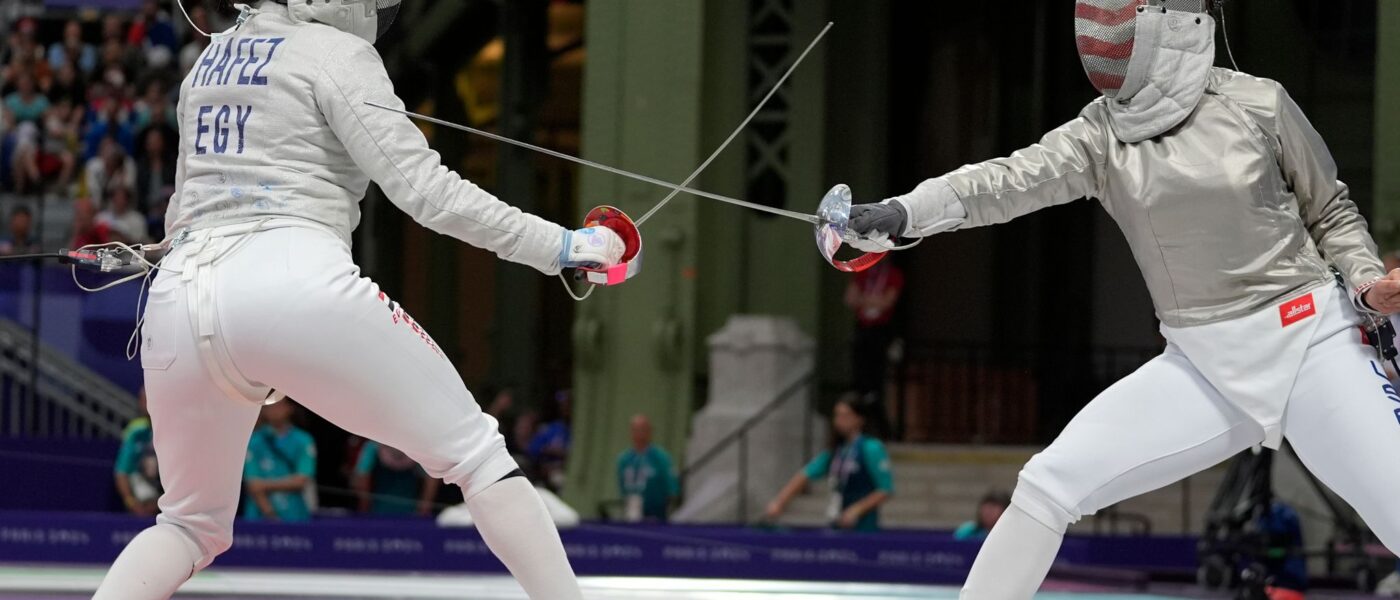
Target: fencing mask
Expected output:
[367,19]
[1105,32]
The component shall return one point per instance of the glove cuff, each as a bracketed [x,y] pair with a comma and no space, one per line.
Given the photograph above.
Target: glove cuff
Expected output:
[564,249]
[1358,297]
[931,208]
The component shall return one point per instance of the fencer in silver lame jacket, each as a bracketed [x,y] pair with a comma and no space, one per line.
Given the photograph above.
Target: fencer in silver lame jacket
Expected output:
[1228,197]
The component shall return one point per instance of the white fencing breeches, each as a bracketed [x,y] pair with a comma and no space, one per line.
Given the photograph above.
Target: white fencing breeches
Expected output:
[292,313]
[1166,422]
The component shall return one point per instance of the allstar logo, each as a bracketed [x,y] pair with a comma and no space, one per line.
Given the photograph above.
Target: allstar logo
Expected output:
[1297,310]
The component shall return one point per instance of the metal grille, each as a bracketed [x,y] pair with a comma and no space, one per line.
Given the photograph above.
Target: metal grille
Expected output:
[388,11]
[770,50]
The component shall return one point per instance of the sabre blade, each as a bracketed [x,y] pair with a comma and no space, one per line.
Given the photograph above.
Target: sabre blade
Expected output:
[806,218]
[744,124]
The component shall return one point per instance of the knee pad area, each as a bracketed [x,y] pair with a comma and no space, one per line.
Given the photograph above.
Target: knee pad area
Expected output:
[476,475]
[1051,509]
[170,540]
[203,544]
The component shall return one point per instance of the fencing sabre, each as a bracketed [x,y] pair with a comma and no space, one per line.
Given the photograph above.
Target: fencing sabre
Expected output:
[830,220]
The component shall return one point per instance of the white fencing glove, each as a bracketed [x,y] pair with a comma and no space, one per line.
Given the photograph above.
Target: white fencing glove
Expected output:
[591,248]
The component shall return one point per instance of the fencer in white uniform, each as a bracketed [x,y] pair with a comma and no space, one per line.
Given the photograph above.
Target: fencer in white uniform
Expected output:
[1231,206]
[258,295]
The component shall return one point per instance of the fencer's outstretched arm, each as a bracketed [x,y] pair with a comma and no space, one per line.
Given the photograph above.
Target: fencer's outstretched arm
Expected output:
[1062,167]
[1328,211]
[394,153]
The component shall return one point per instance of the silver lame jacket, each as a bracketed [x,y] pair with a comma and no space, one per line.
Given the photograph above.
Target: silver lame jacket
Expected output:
[1228,211]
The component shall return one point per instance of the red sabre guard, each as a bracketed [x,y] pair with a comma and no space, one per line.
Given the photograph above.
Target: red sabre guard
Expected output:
[631,264]
[835,215]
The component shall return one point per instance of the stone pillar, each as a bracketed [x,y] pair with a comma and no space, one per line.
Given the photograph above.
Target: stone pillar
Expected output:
[753,359]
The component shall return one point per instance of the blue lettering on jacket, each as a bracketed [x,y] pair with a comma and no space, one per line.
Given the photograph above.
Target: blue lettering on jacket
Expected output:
[221,131]
[206,60]
[238,59]
[225,121]
[258,78]
[243,116]
[201,129]
[216,74]
[243,78]
[236,62]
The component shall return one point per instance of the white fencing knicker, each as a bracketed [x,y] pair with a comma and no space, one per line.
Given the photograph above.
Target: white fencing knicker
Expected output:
[279,304]
[1169,420]
[205,248]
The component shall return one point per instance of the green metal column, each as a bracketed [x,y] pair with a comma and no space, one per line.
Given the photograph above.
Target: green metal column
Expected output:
[754,263]
[632,351]
[1386,209]
[784,269]
[666,82]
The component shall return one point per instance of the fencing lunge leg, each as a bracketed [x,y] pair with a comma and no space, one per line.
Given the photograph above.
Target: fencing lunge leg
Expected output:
[347,352]
[1160,424]
[201,438]
[1343,421]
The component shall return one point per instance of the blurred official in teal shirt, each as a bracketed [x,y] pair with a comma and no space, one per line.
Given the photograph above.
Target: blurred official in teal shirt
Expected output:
[646,477]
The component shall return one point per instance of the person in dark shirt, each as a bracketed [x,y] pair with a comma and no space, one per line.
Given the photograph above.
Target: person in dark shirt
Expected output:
[873,295]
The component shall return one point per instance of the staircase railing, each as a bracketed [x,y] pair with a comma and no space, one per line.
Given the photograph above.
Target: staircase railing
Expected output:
[71,400]
[740,436]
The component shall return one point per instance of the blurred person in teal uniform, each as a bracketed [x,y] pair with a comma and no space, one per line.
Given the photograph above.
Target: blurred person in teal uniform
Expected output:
[136,471]
[280,472]
[388,482]
[646,477]
[856,468]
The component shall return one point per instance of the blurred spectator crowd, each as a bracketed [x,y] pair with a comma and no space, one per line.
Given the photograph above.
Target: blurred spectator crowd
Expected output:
[299,466]
[88,128]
